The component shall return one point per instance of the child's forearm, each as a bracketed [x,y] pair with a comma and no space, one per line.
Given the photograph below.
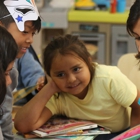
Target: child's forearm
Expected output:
[28,117]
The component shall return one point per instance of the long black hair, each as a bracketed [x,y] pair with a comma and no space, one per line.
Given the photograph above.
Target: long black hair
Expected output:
[8,53]
[134,16]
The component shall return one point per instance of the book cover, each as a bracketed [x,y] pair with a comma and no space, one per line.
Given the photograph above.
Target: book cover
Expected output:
[136,137]
[61,125]
[76,137]
[88,132]
[129,133]
[97,131]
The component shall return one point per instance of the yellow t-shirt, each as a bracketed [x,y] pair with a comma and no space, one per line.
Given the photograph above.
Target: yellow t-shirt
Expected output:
[107,102]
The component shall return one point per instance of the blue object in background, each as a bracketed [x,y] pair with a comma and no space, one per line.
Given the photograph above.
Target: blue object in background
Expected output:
[121,6]
[105,2]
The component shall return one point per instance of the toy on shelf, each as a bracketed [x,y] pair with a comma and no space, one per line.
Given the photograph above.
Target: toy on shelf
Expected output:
[113,6]
[84,5]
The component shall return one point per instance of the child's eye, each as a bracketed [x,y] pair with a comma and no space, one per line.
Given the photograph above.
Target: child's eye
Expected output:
[60,75]
[33,34]
[137,38]
[25,32]
[77,69]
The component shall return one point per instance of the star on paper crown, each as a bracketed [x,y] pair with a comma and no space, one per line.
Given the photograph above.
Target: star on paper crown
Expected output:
[22,11]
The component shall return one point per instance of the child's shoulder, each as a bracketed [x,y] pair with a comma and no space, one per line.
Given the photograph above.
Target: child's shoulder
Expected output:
[106,70]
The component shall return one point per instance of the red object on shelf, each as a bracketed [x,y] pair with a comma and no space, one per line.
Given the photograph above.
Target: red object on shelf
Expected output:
[113,6]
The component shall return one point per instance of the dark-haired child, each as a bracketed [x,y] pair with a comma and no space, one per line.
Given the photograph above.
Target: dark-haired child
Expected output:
[82,89]
[133,24]
[21,19]
[8,53]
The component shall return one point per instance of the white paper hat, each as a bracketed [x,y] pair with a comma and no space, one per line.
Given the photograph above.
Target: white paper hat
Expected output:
[15,8]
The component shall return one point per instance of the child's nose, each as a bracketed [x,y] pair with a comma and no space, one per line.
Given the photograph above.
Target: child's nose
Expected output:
[30,39]
[71,78]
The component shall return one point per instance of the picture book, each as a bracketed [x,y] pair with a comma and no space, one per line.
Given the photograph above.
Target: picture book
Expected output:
[136,137]
[18,136]
[62,125]
[76,137]
[97,131]
[134,131]
[94,131]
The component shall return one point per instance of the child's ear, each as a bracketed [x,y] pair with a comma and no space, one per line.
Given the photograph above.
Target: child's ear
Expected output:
[1,24]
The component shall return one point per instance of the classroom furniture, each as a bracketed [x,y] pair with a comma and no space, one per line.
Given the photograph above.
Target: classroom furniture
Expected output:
[111,26]
[121,43]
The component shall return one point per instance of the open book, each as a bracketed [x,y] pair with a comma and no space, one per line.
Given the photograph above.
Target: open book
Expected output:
[131,134]
[34,137]
[61,125]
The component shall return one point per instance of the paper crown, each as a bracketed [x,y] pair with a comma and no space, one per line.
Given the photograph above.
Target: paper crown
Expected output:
[22,11]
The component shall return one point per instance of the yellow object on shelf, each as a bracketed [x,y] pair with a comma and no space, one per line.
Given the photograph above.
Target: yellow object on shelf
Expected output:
[97,16]
[84,4]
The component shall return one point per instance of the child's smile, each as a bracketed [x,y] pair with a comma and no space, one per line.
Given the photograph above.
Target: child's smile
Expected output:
[71,74]
[23,39]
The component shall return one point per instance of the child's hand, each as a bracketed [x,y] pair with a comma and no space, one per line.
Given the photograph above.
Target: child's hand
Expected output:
[40,83]
[52,84]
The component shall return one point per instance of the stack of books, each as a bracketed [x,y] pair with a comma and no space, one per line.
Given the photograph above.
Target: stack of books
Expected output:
[61,127]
